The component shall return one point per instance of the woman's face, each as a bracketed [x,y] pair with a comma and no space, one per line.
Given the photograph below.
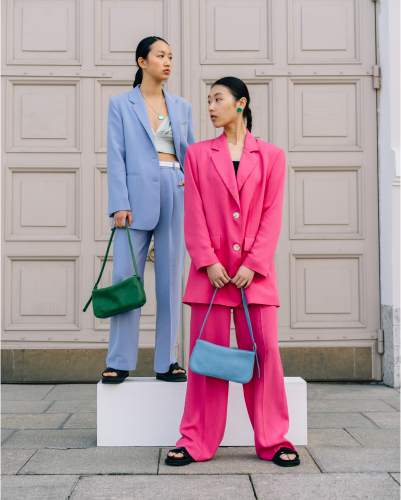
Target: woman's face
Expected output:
[159,61]
[223,106]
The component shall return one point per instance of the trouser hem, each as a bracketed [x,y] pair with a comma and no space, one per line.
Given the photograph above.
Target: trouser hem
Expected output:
[118,366]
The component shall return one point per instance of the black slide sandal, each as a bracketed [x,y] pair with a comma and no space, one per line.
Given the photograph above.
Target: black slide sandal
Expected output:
[110,379]
[184,460]
[286,463]
[173,377]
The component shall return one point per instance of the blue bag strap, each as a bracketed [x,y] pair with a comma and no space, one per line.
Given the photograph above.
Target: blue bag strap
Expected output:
[207,314]
[248,319]
[250,327]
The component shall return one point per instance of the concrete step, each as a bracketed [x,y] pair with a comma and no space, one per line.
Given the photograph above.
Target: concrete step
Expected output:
[144,411]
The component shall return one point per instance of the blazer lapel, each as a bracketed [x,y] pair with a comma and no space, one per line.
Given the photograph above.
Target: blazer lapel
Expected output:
[248,160]
[173,111]
[139,107]
[222,161]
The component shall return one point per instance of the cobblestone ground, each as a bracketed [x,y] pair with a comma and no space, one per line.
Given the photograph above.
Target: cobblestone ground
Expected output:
[49,452]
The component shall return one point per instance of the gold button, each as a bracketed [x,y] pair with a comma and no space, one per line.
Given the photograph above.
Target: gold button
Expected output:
[235,215]
[236,247]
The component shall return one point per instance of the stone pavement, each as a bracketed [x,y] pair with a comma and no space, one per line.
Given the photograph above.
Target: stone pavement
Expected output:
[49,452]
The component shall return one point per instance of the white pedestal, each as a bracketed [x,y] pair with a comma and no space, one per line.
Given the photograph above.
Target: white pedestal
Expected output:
[144,411]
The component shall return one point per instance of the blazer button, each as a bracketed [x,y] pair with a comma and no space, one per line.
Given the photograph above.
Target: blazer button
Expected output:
[236,215]
[236,247]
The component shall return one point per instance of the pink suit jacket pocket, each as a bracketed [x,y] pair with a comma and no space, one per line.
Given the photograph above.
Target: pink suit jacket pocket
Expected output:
[233,220]
[215,242]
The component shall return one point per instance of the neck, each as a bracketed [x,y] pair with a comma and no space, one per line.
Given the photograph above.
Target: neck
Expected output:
[235,131]
[151,88]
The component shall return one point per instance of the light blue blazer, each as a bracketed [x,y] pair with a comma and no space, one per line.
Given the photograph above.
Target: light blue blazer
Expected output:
[133,171]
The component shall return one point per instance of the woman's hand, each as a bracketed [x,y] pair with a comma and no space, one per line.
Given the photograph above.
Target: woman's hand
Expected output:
[181,183]
[120,217]
[243,278]
[217,275]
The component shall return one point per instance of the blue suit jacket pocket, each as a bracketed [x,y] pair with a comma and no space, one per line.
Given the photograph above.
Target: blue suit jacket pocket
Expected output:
[184,128]
[132,173]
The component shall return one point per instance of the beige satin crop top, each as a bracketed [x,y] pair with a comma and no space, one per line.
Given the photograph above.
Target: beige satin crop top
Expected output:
[163,137]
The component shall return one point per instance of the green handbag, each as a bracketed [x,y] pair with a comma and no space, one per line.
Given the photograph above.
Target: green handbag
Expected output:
[119,298]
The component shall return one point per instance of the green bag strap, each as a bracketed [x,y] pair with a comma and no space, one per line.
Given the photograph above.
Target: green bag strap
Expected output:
[105,260]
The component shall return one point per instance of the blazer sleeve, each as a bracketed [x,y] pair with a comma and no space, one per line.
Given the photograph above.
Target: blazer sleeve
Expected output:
[262,252]
[190,137]
[116,170]
[197,238]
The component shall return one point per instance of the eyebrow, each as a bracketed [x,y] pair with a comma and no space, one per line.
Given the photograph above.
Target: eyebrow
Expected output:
[162,51]
[217,93]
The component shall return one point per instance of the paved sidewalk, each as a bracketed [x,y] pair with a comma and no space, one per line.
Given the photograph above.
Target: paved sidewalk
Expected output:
[49,452]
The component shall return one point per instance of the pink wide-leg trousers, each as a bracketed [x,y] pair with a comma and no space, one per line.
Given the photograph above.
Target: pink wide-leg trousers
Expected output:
[204,420]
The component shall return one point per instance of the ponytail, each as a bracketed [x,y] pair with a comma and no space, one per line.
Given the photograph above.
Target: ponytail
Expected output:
[138,77]
[248,117]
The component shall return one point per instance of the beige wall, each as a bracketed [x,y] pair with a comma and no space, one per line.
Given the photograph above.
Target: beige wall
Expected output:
[388,34]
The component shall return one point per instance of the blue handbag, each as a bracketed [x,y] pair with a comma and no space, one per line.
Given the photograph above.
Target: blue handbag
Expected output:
[226,363]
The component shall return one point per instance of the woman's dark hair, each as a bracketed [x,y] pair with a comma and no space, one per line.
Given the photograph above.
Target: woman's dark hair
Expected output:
[238,89]
[142,50]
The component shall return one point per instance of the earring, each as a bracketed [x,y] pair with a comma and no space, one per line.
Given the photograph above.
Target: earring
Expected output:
[239,110]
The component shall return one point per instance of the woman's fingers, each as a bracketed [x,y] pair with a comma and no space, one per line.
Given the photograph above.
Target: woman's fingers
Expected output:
[218,282]
[241,283]
[121,217]
[221,282]
[181,183]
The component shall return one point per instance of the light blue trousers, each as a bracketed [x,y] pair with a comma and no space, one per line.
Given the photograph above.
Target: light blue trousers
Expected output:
[169,267]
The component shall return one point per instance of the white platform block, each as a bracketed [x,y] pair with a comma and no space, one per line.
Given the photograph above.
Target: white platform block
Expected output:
[144,411]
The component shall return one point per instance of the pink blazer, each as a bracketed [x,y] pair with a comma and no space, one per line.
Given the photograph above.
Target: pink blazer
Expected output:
[233,220]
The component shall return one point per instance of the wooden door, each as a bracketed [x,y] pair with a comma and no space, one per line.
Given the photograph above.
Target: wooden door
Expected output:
[62,62]
[308,66]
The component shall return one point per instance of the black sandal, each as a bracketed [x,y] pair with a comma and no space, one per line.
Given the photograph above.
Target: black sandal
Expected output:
[110,379]
[184,460]
[173,377]
[286,463]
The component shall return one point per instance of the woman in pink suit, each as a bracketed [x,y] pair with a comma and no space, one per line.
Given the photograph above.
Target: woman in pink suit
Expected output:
[233,200]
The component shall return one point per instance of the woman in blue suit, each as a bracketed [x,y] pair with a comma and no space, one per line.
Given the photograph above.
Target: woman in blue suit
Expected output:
[148,133]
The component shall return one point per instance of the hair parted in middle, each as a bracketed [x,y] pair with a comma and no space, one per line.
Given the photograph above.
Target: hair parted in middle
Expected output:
[238,89]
